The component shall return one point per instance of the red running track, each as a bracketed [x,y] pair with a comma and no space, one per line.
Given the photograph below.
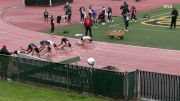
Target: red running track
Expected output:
[20,26]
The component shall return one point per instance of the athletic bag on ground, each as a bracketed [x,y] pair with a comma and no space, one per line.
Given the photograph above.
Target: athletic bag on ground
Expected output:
[58,19]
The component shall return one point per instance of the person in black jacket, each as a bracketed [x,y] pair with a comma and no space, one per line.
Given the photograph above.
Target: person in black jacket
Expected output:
[66,7]
[174,15]
[82,14]
[52,24]
[46,15]
[109,12]
[103,14]
[125,14]
[5,51]
[124,8]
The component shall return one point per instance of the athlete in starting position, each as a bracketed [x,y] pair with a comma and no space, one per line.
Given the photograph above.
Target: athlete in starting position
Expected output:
[65,43]
[47,44]
[83,40]
[31,48]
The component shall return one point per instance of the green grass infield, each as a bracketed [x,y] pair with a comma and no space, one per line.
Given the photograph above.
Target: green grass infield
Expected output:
[140,33]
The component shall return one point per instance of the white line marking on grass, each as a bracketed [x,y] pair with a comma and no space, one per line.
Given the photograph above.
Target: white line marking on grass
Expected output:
[143,47]
[154,29]
[115,25]
[155,16]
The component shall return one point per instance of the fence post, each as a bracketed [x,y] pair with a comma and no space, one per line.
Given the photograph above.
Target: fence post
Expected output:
[68,66]
[92,79]
[126,86]
[4,60]
[138,83]
[50,3]
[18,73]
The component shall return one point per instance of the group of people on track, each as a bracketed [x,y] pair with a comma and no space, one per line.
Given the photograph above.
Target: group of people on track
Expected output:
[44,45]
[47,46]
[88,20]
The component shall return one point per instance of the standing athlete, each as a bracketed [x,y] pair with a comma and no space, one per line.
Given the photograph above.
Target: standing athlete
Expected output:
[133,13]
[174,15]
[52,24]
[125,14]
[109,12]
[46,15]
[82,14]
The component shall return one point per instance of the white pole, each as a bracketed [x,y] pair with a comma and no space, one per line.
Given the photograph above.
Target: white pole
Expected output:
[50,3]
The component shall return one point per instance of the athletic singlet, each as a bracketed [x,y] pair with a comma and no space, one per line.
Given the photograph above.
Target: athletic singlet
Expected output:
[86,37]
[45,42]
[64,40]
[32,46]
[51,42]
[46,14]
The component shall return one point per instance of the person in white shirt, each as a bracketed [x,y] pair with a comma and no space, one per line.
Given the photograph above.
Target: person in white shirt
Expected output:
[83,40]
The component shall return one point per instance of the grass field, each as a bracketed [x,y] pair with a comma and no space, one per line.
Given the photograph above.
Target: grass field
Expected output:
[22,92]
[138,35]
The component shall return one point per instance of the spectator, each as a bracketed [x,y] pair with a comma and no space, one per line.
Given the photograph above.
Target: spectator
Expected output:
[94,19]
[69,13]
[100,17]
[52,24]
[124,8]
[125,14]
[174,15]
[103,15]
[90,11]
[46,15]
[5,51]
[126,21]
[82,14]
[109,12]
[133,13]
[88,25]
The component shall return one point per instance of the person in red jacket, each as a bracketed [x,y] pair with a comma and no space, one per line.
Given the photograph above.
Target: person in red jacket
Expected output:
[88,25]
[133,13]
